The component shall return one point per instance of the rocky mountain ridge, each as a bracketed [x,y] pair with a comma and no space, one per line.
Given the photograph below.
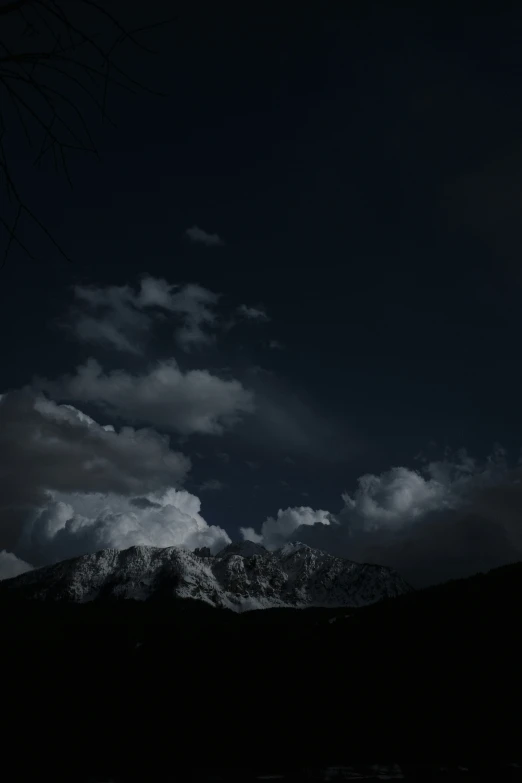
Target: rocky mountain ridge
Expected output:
[242,577]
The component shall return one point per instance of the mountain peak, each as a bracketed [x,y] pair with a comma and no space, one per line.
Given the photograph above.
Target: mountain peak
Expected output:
[240,583]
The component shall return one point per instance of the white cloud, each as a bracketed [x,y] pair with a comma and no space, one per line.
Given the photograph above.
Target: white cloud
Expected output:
[69,485]
[275,531]
[195,304]
[11,565]
[154,292]
[249,534]
[165,397]
[395,498]
[121,318]
[73,524]
[192,303]
[109,316]
[400,496]
[455,517]
[60,447]
[201,237]
[48,448]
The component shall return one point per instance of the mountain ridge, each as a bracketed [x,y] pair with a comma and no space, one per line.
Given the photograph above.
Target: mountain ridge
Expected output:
[243,576]
[432,674]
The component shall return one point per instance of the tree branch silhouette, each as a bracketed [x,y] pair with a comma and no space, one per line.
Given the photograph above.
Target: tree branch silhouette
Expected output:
[53,54]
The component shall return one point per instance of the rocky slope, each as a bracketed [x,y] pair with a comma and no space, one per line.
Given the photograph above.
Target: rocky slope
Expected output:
[241,577]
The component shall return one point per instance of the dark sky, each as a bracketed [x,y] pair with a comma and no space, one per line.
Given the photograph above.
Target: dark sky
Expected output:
[362,165]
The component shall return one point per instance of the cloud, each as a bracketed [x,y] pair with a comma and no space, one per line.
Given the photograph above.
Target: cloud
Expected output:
[195,303]
[252,313]
[48,447]
[121,318]
[275,531]
[455,517]
[249,534]
[164,397]
[211,485]
[11,565]
[108,316]
[276,345]
[245,313]
[69,485]
[201,237]
[397,497]
[71,524]
[156,292]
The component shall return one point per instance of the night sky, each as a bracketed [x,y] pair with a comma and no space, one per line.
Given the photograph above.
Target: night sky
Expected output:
[348,179]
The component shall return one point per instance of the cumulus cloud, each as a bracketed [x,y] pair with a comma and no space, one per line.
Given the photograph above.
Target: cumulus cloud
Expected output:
[69,485]
[11,565]
[400,496]
[276,531]
[201,237]
[47,448]
[72,524]
[456,517]
[165,397]
[122,318]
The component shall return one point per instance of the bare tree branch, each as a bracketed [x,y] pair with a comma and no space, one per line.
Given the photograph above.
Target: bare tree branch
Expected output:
[9,8]
[52,54]
[12,234]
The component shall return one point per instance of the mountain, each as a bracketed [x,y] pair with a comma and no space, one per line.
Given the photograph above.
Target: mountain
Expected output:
[153,690]
[243,576]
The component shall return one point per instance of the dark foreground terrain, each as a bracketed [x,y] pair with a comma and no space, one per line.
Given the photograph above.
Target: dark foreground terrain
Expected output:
[159,690]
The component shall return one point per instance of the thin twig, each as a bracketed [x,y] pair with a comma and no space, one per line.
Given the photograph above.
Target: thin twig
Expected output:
[125,33]
[42,89]
[12,235]
[52,20]
[104,56]
[9,8]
